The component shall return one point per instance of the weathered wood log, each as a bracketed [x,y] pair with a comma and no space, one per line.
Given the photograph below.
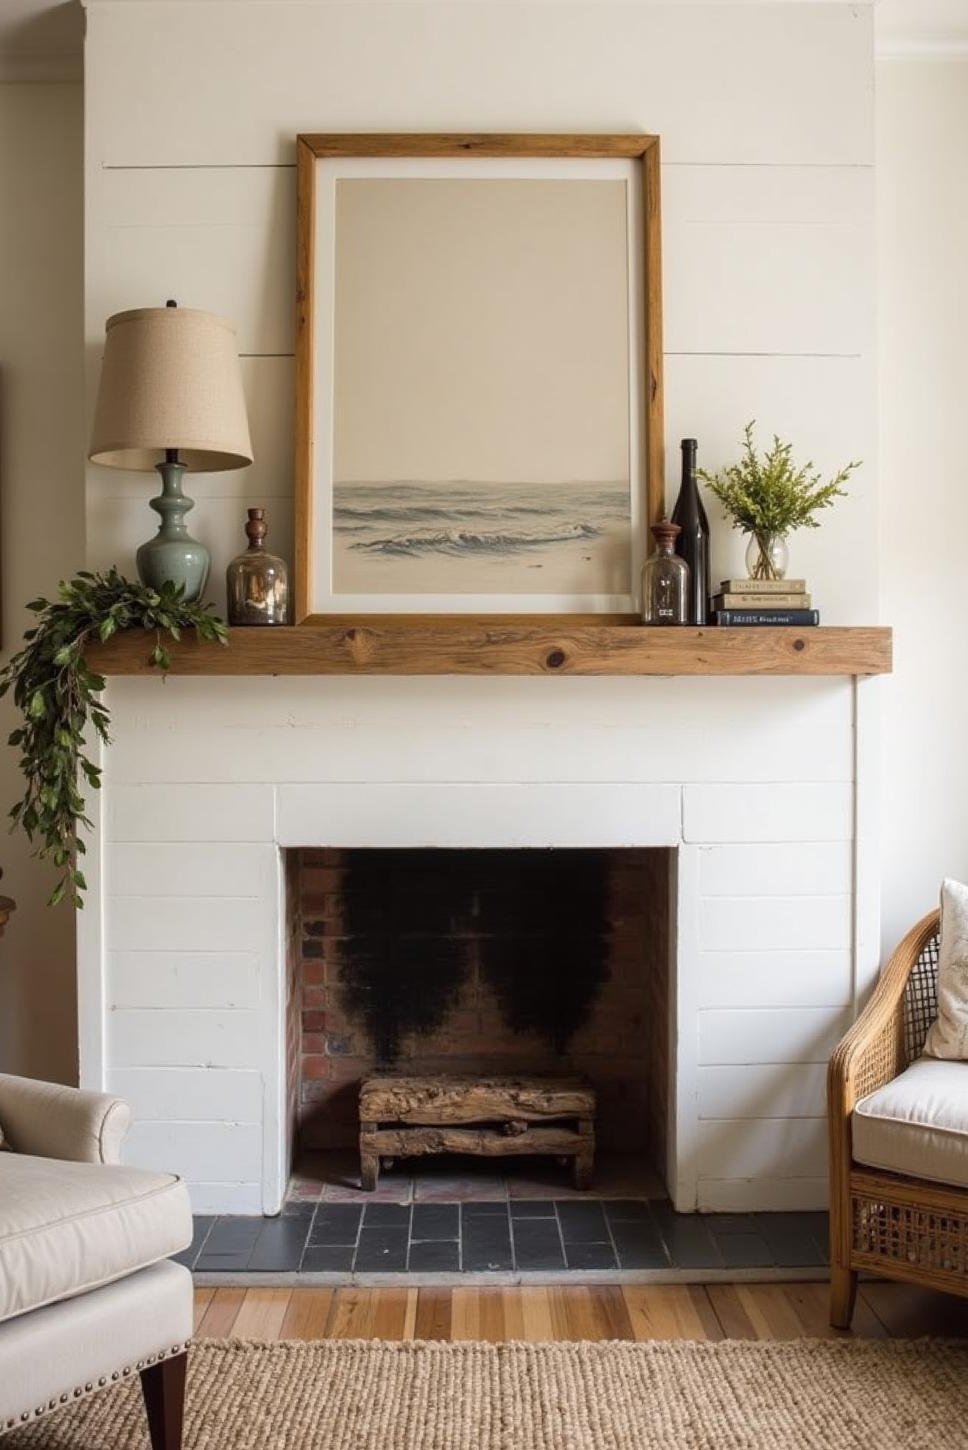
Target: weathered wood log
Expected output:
[486,1142]
[447,1099]
[369,1161]
[405,1117]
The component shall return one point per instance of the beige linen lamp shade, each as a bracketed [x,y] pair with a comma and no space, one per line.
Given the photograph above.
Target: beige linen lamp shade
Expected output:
[170,379]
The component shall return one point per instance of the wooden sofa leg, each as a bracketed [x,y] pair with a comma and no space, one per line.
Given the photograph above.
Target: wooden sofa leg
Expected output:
[163,1388]
[843,1292]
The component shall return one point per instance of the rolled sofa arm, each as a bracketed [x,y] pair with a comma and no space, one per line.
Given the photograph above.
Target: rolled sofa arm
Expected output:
[49,1120]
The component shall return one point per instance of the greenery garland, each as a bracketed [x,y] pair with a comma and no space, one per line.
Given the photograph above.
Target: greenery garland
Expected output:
[58,697]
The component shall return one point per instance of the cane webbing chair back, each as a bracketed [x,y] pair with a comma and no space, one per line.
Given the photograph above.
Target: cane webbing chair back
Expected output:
[920,1000]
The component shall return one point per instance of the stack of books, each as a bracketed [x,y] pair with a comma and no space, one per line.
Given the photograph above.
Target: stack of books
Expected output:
[763,601]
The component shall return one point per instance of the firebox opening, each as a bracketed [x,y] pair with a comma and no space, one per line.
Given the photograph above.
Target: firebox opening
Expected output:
[476,961]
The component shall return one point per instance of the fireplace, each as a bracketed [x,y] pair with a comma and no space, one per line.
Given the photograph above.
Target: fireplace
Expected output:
[480,961]
[189,964]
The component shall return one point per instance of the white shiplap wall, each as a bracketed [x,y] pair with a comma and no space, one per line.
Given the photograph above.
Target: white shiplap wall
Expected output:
[765,116]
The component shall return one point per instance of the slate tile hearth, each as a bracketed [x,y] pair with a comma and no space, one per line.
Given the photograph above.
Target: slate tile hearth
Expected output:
[495,1236]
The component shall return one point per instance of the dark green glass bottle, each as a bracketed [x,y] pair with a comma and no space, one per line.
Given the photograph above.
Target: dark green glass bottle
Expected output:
[693,541]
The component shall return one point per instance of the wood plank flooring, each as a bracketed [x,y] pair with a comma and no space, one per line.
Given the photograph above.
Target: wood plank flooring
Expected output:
[719,1311]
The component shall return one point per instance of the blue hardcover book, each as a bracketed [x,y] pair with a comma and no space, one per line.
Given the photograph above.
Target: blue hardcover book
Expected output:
[746,617]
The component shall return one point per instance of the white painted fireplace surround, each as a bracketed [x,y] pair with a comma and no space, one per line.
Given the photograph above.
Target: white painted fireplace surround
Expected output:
[754,782]
[765,111]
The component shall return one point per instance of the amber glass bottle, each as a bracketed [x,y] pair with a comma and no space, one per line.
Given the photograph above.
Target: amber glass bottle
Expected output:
[257,582]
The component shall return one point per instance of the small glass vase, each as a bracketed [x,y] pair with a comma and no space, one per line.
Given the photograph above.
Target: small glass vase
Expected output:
[767,556]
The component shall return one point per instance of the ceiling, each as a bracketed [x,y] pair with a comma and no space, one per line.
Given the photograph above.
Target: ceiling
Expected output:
[43,39]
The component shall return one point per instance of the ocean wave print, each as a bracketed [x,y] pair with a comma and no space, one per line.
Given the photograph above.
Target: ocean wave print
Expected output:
[473,541]
[346,515]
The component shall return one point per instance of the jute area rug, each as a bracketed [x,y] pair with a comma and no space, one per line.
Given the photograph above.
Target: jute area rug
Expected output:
[369,1395]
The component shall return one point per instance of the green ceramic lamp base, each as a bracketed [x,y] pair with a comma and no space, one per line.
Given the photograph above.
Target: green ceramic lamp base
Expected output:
[173,556]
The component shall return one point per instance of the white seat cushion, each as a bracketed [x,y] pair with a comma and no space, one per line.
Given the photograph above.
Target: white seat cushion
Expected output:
[68,1227]
[918,1124]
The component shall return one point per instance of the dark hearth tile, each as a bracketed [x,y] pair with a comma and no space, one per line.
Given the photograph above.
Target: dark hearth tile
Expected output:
[790,1238]
[335,1223]
[745,1251]
[280,1245]
[381,1250]
[537,1244]
[819,1227]
[532,1208]
[687,1237]
[818,1221]
[201,1226]
[233,1235]
[327,1259]
[723,1224]
[435,1257]
[639,1246]
[591,1256]
[485,1207]
[299,1207]
[386,1215]
[582,1223]
[227,1263]
[486,1242]
[435,1221]
[627,1210]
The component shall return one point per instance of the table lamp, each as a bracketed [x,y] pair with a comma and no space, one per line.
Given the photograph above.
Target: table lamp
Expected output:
[171,398]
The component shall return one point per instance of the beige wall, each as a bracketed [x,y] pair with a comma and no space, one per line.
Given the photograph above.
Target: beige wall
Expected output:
[922,115]
[42,513]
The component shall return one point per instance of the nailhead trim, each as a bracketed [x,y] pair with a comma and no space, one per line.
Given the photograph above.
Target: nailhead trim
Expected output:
[88,1388]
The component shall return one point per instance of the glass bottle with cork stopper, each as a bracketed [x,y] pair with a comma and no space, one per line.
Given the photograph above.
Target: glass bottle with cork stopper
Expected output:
[665,579]
[257,582]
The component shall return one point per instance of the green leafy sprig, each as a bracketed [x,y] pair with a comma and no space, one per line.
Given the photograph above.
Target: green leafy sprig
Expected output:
[59,696]
[771,496]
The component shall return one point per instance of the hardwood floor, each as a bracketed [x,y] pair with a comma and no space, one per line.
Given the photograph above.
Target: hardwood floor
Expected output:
[716,1311]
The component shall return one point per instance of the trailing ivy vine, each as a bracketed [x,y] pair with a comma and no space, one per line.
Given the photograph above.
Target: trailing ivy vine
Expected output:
[60,698]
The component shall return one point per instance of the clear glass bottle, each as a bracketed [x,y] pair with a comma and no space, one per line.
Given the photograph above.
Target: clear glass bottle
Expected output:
[257,582]
[665,580]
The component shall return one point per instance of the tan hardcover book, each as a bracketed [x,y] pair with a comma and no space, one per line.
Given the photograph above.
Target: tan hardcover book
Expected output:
[763,586]
[761,601]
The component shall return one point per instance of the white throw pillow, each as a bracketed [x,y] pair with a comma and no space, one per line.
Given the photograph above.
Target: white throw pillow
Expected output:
[948,1036]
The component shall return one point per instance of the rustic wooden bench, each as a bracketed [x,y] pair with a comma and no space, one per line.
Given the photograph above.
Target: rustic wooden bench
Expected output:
[403,1117]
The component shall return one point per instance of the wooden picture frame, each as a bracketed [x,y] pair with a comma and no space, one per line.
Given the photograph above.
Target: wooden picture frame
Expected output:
[641,152]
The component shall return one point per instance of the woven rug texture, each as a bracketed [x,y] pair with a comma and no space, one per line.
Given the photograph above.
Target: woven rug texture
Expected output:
[370,1395]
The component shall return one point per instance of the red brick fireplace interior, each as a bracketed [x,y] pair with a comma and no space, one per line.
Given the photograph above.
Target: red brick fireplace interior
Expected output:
[480,961]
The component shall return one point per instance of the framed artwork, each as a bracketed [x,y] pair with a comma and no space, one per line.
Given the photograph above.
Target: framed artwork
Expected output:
[478,374]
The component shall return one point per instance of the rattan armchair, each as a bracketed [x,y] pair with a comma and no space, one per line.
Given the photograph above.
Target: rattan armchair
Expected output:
[898,1227]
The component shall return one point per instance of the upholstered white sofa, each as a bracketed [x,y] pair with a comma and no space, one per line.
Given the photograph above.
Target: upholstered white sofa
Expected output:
[88,1294]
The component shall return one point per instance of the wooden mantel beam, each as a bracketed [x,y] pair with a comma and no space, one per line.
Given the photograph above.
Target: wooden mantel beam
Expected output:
[478,647]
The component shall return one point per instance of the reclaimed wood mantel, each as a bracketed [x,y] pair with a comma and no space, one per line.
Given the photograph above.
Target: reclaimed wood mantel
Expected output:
[490,647]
